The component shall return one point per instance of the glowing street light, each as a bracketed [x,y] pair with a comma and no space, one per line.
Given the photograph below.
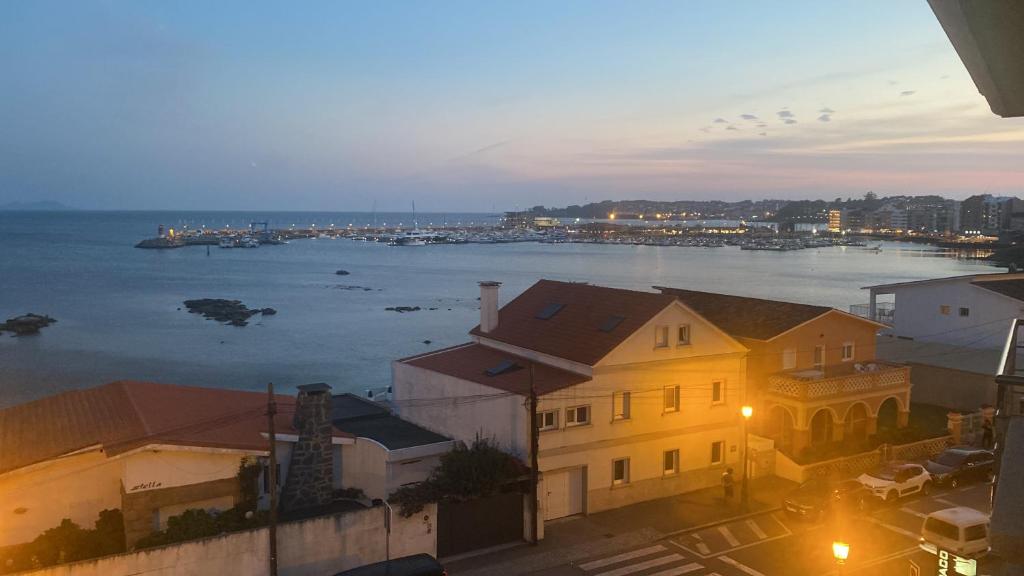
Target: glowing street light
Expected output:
[747,412]
[840,551]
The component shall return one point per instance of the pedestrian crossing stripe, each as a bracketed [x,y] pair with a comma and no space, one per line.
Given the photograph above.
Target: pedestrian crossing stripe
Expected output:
[653,562]
[739,566]
[622,557]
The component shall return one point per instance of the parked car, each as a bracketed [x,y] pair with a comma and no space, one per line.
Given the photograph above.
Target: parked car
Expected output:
[819,496]
[895,480]
[962,531]
[416,565]
[961,464]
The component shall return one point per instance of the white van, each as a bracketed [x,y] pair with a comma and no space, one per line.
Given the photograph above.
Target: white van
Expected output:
[962,531]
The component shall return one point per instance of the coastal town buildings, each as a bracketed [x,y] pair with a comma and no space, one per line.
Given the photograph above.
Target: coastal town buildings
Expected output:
[951,330]
[155,450]
[813,375]
[638,395]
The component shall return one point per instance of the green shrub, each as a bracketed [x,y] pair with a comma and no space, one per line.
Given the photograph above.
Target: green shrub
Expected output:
[193,524]
[67,542]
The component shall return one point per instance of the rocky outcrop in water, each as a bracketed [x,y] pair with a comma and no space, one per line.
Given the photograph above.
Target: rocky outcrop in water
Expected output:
[231,312]
[27,324]
[401,309]
[342,272]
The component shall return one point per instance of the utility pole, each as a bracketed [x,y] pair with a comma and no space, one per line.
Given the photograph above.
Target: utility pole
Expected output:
[534,447]
[272,469]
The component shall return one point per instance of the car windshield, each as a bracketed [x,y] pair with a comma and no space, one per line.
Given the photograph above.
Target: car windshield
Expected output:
[951,459]
[976,532]
[886,473]
[942,528]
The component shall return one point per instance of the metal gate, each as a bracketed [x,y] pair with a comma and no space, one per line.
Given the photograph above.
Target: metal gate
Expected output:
[479,523]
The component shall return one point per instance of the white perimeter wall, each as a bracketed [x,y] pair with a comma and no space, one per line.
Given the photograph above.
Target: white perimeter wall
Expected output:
[315,547]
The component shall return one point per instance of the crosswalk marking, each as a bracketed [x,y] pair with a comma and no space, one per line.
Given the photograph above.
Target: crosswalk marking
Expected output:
[632,568]
[622,557]
[678,570]
[913,512]
[756,529]
[727,534]
[703,548]
[946,502]
[739,566]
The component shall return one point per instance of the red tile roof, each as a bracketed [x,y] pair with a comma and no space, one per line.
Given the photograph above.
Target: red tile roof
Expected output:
[472,361]
[125,415]
[747,317]
[574,332]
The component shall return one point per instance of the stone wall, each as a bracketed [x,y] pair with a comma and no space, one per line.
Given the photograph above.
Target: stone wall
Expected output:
[311,470]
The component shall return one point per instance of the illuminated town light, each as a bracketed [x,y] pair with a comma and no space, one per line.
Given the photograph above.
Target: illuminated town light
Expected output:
[747,411]
[841,551]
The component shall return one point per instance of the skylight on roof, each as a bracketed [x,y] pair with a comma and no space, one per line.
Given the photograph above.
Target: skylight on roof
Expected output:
[549,311]
[612,323]
[504,367]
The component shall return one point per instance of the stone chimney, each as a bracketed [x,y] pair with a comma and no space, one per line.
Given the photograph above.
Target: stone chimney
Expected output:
[489,306]
[311,469]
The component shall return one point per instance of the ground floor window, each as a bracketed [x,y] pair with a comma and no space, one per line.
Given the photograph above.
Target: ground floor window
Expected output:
[717,452]
[670,464]
[620,471]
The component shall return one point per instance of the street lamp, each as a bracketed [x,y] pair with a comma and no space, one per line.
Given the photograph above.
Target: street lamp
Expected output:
[747,412]
[840,551]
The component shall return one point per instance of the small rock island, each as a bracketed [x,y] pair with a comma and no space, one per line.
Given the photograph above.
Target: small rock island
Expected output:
[26,324]
[231,312]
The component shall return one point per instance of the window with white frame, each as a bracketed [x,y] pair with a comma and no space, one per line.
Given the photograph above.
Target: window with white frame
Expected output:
[661,337]
[717,452]
[672,399]
[683,335]
[670,462]
[547,420]
[620,405]
[620,471]
[789,358]
[965,312]
[847,351]
[718,392]
[577,416]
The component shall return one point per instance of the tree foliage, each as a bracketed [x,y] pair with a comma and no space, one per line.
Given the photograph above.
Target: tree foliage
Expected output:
[463,474]
[67,542]
[193,524]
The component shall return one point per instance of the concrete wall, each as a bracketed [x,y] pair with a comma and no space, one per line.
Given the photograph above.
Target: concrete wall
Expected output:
[951,388]
[37,498]
[460,409]
[315,547]
[152,469]
[365,467]
[918,314]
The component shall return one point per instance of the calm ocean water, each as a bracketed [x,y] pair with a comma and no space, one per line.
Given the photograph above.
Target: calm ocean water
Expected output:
[119,308]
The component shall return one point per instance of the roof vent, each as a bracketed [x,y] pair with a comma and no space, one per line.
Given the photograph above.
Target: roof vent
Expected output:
[549,311]
[612,323]
[504,367]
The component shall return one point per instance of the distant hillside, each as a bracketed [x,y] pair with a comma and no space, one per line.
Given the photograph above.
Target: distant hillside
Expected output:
[35,206]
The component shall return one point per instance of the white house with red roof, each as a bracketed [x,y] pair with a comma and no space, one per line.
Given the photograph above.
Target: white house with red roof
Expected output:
[153,451]
[638,395]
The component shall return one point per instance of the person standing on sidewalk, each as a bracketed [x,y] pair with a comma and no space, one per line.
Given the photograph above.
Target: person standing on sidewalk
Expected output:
[727,483]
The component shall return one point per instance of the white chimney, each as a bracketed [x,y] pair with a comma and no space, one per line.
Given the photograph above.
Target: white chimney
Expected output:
[488,306]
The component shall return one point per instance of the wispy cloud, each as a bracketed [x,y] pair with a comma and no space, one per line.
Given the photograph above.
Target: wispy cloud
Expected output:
[825,118]
[827,110]
[784,114]
[721,121]
[908,92]
[748,116]
[789,120]
[731,127]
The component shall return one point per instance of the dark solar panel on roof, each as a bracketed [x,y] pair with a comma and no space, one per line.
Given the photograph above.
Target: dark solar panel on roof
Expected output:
[612,323]
[549,311]
[504,367]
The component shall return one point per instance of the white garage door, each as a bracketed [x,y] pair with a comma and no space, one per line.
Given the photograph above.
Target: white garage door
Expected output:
[564,493]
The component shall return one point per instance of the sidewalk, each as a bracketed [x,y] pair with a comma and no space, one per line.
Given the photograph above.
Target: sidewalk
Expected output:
[616,530]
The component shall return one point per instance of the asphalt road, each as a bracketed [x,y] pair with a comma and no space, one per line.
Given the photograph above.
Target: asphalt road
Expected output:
[883,542]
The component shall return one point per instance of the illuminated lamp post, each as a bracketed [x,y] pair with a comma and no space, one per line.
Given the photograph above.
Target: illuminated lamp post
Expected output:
[840,551]
[747,412]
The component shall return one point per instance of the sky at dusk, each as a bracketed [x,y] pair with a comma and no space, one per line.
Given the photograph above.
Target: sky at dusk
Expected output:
[479,106]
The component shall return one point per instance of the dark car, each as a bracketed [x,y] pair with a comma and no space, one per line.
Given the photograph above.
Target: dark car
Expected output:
[819,496]
[961,464]
[416,565]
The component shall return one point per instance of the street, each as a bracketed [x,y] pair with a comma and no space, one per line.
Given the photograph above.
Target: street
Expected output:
[883,542]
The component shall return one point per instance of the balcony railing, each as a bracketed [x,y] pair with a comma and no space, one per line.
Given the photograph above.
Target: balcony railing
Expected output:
[885,312]
[838,380]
